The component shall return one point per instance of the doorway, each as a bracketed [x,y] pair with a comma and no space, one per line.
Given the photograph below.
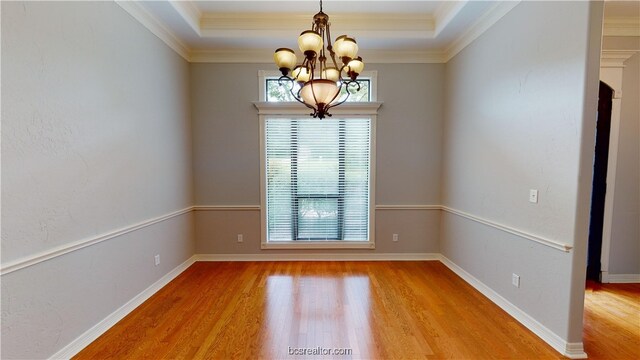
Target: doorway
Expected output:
[599,185]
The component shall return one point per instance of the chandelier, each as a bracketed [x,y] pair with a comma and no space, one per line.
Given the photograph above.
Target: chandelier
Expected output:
[320,84]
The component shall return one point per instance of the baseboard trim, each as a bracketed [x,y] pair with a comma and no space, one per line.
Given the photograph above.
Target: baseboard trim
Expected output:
[623,278]
[570,350]
[319,257]
[31,260]
[100,328]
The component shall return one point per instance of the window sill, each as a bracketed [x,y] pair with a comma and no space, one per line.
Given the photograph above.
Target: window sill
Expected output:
[295,108]
[318,245]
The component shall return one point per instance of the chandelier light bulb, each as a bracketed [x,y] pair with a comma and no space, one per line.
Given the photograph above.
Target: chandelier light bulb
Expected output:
[310,43]
[331,73]
[285,60]
[355,67]
[346,48]
[301,74]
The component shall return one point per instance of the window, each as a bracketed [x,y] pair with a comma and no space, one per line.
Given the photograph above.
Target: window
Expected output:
[271,91]
[318,175]
[277,93]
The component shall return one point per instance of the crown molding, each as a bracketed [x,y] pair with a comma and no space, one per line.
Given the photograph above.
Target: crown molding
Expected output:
[265,56]
[189,12]
[621,26]
[615,58]
[446,12]
[155,26]
[486,21]
[375,25]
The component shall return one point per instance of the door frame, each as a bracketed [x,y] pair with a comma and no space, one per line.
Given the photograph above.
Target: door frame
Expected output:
[611,68]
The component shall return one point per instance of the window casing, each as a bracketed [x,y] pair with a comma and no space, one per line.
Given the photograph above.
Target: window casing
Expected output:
[325,184]
[317,179]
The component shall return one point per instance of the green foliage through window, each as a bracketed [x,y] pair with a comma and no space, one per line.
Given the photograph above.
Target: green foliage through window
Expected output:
[281,93]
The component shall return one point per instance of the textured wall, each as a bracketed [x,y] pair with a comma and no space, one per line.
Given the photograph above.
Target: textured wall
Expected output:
[514,121]
[625,230]
[95,137]
[227,154]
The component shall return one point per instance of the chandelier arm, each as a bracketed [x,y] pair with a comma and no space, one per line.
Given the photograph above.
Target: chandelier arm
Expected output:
[330,105]
[346,84]
[282,80]
[332,54]
[315,99]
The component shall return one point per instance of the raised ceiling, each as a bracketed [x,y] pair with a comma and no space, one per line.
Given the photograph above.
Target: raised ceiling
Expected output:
[387,31]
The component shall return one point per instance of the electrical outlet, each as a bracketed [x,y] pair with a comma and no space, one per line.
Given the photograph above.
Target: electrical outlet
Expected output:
[240,238]
[395,237]
[515,280]
[157,259]
[533,196]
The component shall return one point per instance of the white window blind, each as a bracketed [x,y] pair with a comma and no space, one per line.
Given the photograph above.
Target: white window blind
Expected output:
[318,176]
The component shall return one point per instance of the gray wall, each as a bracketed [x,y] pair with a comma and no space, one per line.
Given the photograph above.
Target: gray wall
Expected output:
[624,256]
[227,154]
[515,107]
[95,137]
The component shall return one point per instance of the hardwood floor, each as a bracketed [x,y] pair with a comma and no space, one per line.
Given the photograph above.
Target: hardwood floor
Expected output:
[381,310]
[612,321]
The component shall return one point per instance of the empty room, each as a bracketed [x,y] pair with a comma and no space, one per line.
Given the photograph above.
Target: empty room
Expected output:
[320,179]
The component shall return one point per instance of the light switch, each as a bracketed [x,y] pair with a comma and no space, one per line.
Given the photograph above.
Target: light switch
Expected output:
[533,196]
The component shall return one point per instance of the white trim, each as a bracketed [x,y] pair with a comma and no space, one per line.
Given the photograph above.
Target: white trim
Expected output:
[265,56]
[615,58]
[295,108]
[486,21]
[570,350]
[446,13]
[226,208]
[408,207]
[258,207]
[354,110]
[301,245]
[609,196]
[623,278]
[525,235]
[574,350]
[621,26]
[30,260]
[320,257]
[156,27]
[100,328]
[611,72]
[189,12]
[27,261]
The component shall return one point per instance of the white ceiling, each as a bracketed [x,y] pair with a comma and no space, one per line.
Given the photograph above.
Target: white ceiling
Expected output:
[419,30]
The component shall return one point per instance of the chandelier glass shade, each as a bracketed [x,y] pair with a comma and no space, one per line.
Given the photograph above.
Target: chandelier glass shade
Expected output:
[319,74]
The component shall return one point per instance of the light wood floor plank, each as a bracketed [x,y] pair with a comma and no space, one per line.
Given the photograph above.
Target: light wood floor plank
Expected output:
[378,310]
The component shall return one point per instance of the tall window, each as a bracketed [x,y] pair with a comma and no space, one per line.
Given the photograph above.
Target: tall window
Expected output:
[317,178]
